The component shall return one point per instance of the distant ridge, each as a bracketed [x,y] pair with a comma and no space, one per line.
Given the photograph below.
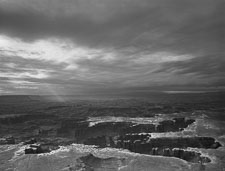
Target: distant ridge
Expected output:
[18,98]
[171,96]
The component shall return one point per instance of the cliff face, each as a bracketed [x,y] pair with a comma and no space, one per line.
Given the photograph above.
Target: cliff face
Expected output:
[83,131]
[134,136]
[168,146]
[137,138]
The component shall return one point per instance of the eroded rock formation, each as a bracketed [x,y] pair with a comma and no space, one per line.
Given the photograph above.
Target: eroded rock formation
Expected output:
[83,131]
[39,148]
[137,138]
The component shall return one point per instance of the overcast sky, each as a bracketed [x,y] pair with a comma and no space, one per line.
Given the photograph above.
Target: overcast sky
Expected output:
[111,46]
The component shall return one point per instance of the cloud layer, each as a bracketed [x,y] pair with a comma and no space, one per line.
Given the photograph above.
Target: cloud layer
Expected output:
[84,46]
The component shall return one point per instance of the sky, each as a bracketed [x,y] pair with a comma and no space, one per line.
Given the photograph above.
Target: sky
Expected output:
[69,47]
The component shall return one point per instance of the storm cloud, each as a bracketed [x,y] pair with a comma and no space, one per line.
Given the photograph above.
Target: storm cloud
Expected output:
[82,46]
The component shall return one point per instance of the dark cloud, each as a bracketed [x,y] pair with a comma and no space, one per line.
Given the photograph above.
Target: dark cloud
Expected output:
[118,23]
[136,32]
[210,68]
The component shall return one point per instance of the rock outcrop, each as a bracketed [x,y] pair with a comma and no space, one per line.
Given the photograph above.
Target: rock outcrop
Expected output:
[38,148]
[7,140]
[137,138]
[82,131]
[31,141]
